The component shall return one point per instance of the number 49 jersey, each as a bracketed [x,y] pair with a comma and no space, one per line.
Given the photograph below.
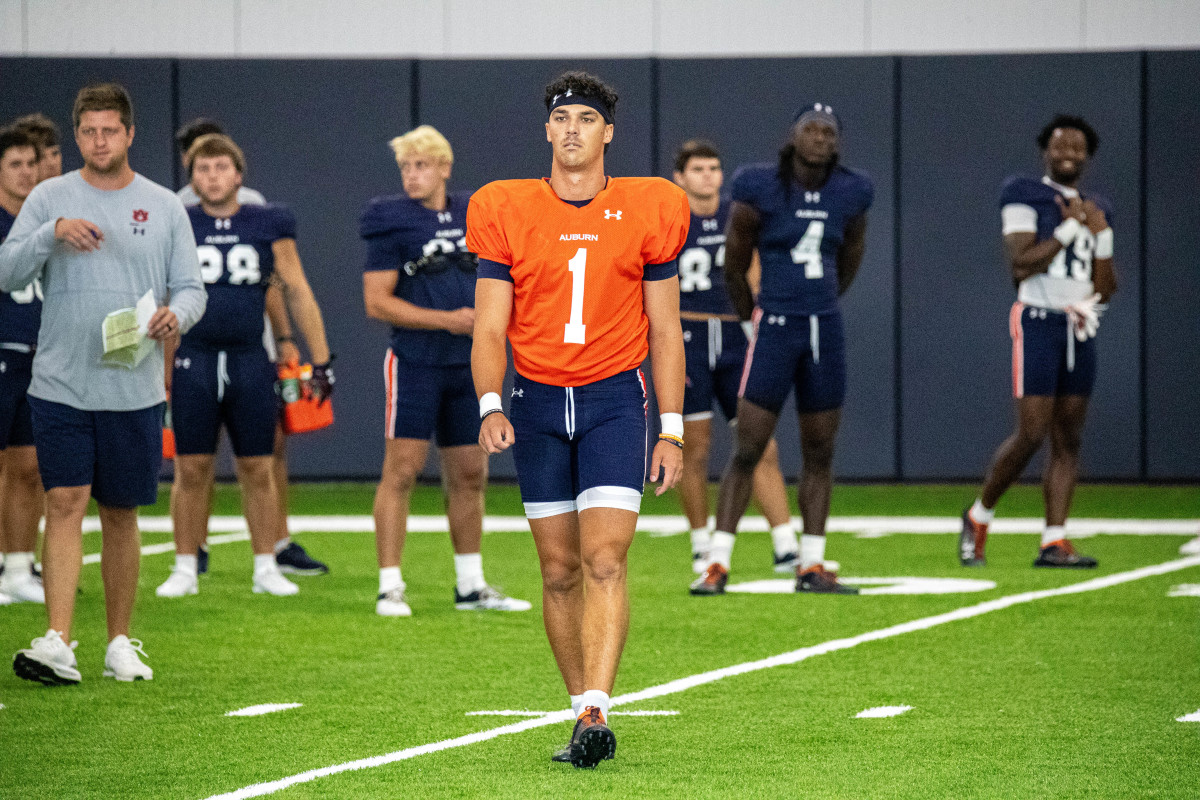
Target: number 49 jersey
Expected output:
[801,234]
[20,311]
[1028,205]
[236,263]
[702,265]
[577,272]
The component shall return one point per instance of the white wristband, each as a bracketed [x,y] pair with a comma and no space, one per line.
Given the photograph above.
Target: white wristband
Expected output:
[672,424]
[1067,231]
[489,402]
[1104,243]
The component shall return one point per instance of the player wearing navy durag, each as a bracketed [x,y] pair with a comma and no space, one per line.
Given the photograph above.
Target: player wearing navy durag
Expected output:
[222,374]
[420,278]
[808,217]
[715,351]
[1060,250]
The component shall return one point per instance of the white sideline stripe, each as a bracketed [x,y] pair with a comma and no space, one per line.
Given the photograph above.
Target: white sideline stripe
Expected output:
[1193,717]
[512,713]
[664,525]
[1185,590]
[692,681]
[263,708]
[169,547]
[882,712]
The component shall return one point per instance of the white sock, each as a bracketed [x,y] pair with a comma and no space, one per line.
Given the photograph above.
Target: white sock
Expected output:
[18,564]
[389,578]
[720,549]
[468,572]
[983,516]
[577,704]
[1053,533]
[701,540]
[264,562]
[186,564]
[812,550]
[597,698]
[282,544]
[783,537]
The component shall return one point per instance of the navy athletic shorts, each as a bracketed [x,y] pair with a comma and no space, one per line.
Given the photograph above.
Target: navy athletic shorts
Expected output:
[16,427]
[1047,358]
[807,353]
[571,439]
[231,387]
[714,352]
[423,400]
[117,453]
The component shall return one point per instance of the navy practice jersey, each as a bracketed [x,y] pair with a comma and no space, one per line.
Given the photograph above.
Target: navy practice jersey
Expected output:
[20,311]
[801,233]
[399,231]
[702,265]
[1028,205]
[236,262]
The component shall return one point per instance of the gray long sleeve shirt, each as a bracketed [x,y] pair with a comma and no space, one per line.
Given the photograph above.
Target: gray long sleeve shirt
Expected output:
[148,245]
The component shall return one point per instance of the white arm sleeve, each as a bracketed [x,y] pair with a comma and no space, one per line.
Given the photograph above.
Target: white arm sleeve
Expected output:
[1018,218]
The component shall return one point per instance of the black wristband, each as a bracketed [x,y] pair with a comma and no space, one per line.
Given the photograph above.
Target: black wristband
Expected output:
[491,411]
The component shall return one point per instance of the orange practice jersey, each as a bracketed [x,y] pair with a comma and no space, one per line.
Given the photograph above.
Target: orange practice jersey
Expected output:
[577,272]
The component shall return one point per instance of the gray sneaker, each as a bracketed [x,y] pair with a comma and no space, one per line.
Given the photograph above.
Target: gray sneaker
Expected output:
[489,598]
[49,661]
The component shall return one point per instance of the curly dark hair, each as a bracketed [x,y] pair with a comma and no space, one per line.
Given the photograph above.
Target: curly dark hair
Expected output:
[1074,123]
[695,148]
[581,82]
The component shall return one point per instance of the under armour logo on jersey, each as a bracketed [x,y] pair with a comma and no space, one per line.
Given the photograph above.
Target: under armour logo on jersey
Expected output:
[518,392]
[709,224]
[773,319]
[222,224]
[812,197]
[183,363]
[443,216]
[612,214]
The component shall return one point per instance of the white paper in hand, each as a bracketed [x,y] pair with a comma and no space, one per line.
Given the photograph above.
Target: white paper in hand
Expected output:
[124,334]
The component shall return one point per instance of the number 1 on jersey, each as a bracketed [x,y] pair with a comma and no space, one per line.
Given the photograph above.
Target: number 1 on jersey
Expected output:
[574,329]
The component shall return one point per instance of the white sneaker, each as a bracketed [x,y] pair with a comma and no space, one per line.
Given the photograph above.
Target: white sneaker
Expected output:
[1190,547]
[178,584]
[392,604]
[5,600]
[49,660]
[22,588]
[271,581]
[489,598]
[122,662]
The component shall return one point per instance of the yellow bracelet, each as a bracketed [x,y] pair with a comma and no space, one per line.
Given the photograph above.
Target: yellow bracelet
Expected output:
[672,438]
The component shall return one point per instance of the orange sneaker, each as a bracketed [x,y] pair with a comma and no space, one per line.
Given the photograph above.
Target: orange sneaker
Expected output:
[1062,554]
[712,581]
[971,541]
[592,741]
[818,580]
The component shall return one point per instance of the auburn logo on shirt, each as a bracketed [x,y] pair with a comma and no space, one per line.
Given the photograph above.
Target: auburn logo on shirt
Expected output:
[140,216]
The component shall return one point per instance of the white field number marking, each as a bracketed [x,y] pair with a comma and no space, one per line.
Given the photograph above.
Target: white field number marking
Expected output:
[1185,590]
[1193,717]
[264,708]
[881,712]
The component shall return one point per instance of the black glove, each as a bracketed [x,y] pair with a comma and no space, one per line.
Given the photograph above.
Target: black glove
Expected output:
[321,383]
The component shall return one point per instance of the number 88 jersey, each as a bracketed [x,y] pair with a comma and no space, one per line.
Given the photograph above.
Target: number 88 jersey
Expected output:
[236,263]
[701,265]
[801,233]
[577,272]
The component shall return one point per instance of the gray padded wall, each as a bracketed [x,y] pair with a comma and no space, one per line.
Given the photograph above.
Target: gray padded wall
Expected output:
[746,107]
[1172,275]
[967,123]
[315,135]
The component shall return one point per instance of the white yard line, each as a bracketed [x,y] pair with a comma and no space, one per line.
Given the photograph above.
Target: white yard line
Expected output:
[692,681]
[514,713]
[263,708]
[882,712]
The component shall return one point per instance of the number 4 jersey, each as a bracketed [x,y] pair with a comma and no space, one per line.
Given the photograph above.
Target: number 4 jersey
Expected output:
[236,263]
[20,311]
[577,272]
[801,234]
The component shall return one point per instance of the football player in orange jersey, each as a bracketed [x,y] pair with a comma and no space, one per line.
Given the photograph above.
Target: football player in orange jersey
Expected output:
[578,271]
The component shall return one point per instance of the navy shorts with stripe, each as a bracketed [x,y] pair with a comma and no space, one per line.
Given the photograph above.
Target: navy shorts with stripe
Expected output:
[800,352]
[567,440]
[117,453]
[1047,358]
[714,353]
[16,426]
[234,388]
[423,401]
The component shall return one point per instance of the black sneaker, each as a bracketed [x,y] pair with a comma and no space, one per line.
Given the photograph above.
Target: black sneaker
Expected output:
[563,756]
[592,741]
[971,542]
[819,580]
[711,582]
[787,562]
[295,560]
[1062,554]
[202,560]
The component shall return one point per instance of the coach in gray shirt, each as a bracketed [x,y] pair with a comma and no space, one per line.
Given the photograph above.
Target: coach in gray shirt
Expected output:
[100,238]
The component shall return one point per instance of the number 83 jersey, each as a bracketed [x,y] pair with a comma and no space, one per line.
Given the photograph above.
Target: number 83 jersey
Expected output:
[577,272]
[236,263]
[801,233]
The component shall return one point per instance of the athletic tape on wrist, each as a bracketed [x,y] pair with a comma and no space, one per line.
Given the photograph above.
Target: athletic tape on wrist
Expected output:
[1067,231]
[671,424]
[1104,243]
[488,403]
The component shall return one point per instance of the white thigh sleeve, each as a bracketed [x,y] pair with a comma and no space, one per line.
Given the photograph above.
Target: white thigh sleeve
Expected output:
[610,497]
[549,509]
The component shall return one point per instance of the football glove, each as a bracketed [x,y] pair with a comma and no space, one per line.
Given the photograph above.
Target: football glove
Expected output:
[321,383]
[1085,317]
